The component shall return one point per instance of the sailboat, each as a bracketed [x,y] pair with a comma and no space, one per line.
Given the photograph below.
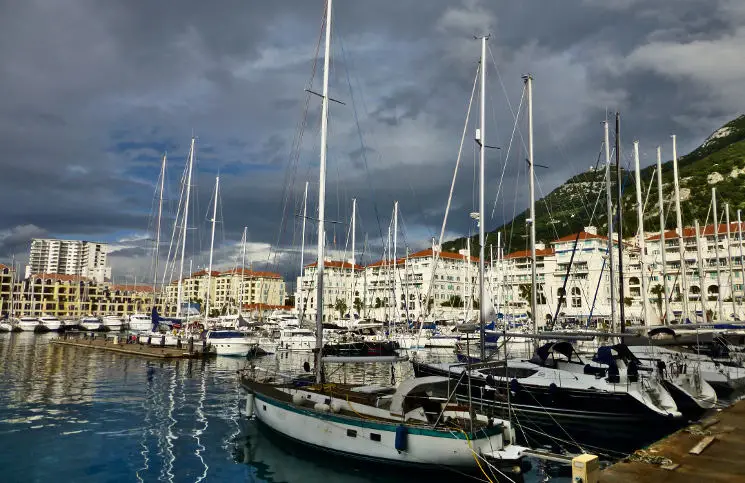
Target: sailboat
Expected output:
[403,425]
[557,395]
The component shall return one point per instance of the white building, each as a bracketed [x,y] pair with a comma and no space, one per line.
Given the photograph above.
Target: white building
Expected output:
[69,257]
[393,290]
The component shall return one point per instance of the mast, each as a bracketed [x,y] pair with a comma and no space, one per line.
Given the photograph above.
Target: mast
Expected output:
[609,207]
[184,228]
[212,247]
[241,286]
[394,257]
[322,193]
[701,272]
[301,312]
[621,293]
[662,235]
[679,229]
[716,253]
[534,286]
[739,239]
[354,283]
[640,232]
[729,261]
[157,230]
[482,218]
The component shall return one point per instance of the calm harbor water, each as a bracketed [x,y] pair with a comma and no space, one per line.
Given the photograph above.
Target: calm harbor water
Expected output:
[71,414]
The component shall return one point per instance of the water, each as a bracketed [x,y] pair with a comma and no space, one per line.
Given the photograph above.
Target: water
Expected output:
[71,414]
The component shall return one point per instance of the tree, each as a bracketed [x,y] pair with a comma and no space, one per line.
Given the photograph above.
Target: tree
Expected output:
[627,301]
[340,306]
[453,301]
[378,303]
[358,305]
[658,291]
[526,292]
[214,312]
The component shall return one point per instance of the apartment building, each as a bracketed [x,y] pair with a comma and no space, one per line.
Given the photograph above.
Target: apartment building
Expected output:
[69,257]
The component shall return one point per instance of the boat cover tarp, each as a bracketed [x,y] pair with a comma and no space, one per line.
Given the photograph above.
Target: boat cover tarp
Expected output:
[409,386]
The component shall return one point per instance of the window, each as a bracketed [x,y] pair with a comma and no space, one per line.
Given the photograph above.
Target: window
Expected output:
[374,436]
[351,433]
[576,298]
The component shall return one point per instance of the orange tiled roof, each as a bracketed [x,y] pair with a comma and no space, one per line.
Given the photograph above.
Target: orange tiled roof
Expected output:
[251,273]
[202,273]
[267,307]
[546,252]
[425,254]
[583,235]
[131,288]
[336,264]
[59,276]
[690,232]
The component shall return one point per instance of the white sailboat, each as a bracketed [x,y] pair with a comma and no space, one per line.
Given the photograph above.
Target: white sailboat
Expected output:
[27,324]
[50,323]
[368,422]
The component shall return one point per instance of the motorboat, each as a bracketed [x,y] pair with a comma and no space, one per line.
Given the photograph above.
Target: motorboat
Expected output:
[69,323]
[49,323]
[112,322]
[229,343]
[90,323]
[27,324]
[558,395]
[5,326]
[296,340]
[140,322]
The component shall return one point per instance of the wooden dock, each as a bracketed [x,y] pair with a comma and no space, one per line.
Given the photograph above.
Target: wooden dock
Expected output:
[113,345]
[711,451]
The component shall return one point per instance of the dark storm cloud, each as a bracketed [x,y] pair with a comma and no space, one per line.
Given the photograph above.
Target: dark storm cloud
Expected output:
[94,93]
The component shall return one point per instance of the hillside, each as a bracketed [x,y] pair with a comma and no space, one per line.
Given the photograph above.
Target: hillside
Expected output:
[719,161]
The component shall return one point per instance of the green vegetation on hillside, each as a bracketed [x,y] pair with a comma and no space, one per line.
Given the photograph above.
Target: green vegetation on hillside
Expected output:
[719,162]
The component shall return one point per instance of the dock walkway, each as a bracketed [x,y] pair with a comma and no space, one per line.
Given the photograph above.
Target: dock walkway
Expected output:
[711,451]
[121,346]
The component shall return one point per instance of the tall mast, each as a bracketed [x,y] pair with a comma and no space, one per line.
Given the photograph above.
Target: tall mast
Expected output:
[619,186]
[157,229]
[354,233]
[184,228]
[322,192]
[679,229]
[212,247]
[394,257]
[701,272]
[534,286]
[739,240]
[241,286]
[482,218]
[729,261]
[662,235]
[716,253]
[640,233]
[301,304]
[609,207]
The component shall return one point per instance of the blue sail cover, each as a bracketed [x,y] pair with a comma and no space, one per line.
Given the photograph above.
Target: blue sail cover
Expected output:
[155,318]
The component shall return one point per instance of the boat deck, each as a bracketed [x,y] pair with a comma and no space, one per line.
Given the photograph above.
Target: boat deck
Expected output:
[711,451]
[120,346]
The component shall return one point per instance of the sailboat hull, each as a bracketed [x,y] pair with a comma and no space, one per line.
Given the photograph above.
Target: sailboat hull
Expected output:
[369,440]
[574,417]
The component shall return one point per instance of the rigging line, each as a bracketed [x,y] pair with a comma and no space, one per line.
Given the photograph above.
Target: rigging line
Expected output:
[436,256]
[359,134]
[294,154]
[504,90]
[514,210]
[509,148]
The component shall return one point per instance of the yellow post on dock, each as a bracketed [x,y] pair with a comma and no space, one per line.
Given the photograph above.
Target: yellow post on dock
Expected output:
[585,469]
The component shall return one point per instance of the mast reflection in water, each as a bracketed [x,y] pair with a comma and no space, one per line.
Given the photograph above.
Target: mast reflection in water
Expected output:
[69,414]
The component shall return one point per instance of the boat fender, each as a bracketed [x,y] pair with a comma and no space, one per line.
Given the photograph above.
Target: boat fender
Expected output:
[306,366]
[515,386]
[324,408]
[553,389]
[250,405]
[335,407]
[297,399]
[401,442]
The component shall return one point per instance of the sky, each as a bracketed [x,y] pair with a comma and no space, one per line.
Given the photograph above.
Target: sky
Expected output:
[94,93]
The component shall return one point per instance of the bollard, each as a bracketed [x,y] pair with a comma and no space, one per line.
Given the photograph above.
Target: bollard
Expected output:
[149,339]
[191,344]
[163,341]
[585,469]
[178,342]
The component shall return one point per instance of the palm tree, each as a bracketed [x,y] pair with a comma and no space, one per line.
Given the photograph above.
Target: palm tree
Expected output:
[358,305]
[660,293]
[341,307]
